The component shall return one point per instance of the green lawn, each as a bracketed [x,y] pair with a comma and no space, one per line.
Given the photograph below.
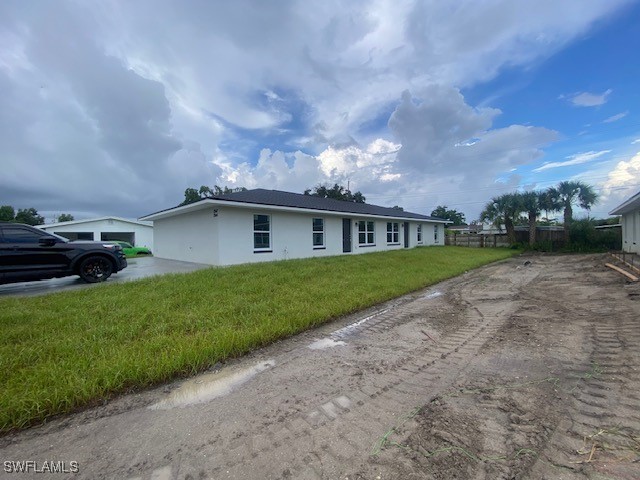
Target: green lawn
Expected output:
[62,351]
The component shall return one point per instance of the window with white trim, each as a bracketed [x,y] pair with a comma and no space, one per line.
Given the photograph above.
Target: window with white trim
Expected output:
[393,232]
[262,233]
[318,233]
[419,233]
[366,233]
[435,233]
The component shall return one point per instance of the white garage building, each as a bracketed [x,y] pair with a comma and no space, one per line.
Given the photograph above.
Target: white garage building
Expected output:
[630,220]
[263,225]
[103,229]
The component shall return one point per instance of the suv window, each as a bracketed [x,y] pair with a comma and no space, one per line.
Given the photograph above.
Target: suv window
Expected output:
[20,235]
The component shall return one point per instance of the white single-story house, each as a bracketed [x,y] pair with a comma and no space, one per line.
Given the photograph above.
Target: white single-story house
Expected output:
[105,229]
[629,211]
[262,225]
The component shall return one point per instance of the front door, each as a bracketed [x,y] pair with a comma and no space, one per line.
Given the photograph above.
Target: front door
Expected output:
[346,235]
[406,234]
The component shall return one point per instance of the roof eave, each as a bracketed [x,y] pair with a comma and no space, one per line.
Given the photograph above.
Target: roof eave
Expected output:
[98,219]
[172,212]
[209,202]
[627,206]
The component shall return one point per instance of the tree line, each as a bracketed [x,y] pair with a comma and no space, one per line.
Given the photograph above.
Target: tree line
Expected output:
[507,209]
[337,192]
[192,195]
[29,216]
[456,217]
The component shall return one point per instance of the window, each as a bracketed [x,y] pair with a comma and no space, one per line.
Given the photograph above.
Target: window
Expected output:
[435,233]
[21,235]
[366,233]
[318,233]
[393,232]
[420,233]
[262,233]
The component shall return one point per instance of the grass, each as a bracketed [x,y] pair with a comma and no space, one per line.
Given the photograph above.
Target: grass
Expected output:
[67,350]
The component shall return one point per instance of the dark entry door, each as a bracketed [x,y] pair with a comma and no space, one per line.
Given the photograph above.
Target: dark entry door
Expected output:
[406,234]
[346,235]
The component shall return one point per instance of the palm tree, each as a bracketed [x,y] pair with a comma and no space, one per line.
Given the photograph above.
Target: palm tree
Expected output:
[549,201]
[531,204]
[573,192]
[504,208]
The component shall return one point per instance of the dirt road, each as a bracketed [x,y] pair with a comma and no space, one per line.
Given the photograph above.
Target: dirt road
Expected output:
[509,371]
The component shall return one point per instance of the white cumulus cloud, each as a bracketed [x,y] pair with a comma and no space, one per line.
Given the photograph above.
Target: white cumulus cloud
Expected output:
[576,159]
[625,174]
[615,118]
[428,163]
[168,95]
[586,99]
[622,182]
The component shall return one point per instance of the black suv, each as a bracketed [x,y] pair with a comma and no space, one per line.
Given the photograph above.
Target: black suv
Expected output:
[28,253]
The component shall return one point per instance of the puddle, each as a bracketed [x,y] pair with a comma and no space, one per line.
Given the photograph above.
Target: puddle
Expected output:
[352,326]
[205,388]
[431,295]
[331,341]
[325,343]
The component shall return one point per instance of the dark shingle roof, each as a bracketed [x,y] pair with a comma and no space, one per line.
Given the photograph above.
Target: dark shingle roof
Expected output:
[287,199]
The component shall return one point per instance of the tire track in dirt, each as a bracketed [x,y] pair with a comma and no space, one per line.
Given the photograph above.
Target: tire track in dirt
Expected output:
[291,437]
[597,377]
[403,382]
[539,429]
[499,373]
[361,414]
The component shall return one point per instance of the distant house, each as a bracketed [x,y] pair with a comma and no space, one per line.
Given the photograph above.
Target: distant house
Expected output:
[629,211]
[261,225]
[465,229]
[493,230]
[105,229]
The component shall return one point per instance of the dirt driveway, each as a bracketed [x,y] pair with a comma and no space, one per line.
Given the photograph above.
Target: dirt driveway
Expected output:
[509,371]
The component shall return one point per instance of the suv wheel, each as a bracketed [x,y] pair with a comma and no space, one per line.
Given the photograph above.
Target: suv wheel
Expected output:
[95,269]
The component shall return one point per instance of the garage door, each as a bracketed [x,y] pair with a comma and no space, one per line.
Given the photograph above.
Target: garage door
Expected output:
[122,236]
[76,235]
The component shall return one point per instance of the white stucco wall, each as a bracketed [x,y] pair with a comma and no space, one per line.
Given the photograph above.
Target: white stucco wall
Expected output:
[226,238]
[291,235]
[143,233]
[428,231]
[144,238]
[190,237]
[380,236]
[631,231]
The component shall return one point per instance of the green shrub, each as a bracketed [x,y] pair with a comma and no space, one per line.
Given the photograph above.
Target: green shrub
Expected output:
[584,237]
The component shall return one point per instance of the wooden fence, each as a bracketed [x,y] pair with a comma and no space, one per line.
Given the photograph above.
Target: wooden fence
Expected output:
[554,237]
[476,240]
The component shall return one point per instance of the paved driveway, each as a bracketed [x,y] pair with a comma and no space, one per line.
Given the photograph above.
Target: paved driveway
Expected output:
[137,268]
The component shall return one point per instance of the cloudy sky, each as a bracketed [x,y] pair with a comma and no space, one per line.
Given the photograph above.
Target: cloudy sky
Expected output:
[115,107]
